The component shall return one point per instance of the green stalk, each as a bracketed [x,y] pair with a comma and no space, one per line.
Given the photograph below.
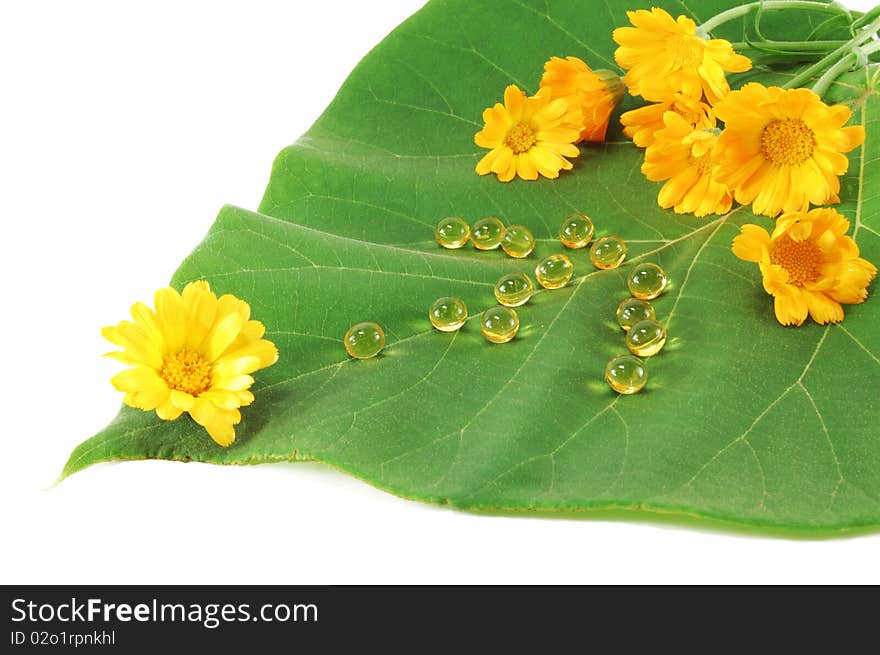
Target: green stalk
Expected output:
[783,47]
[866,18]
[851,60]
[833,58]
[736,12]
[827,79]
[788,46]
[818,67]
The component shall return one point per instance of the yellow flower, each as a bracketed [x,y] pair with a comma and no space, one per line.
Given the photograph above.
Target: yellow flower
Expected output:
[781,149]
[527,136]
[596,93]
[662,54]
[808,265]
[641,124]
[684,156]
[194,354]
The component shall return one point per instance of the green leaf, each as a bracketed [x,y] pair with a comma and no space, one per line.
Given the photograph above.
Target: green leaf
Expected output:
[742,420]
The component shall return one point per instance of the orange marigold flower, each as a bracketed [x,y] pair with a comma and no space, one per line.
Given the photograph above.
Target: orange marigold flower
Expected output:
[684,156]
[809,265]
[596,93]
[641,124]
[662,54]
[782,149]
[528,136]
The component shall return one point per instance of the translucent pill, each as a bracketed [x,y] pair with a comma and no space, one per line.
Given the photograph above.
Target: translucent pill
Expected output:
[514,289]
[518,241]
[626,374]
[646,338]
[447,314]
[608,252]
[452,232]
[633,310]
[554,271]
[646,281]
[499,324]
[486,233]
[364,340]
[576,231]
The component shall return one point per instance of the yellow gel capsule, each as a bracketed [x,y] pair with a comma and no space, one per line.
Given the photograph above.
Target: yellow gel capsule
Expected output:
[646,281]
[499,324]
[646,338]
[518,241]
[364,340]
[626,374]
[486,233]
[608,252]
[633,310]
[514,289]
[554,271]
[447,314]
[576,231]
[452,232]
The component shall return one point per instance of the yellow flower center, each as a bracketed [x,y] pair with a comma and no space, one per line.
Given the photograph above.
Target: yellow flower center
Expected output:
[520,138]
[788,141]
[685,52]
[186,371]
[801,259]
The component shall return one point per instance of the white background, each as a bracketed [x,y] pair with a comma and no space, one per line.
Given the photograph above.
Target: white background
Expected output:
[123,129]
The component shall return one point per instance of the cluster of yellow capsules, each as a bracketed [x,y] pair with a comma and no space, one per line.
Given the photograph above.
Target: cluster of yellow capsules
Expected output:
[500,324]
[645,336]
[487,234]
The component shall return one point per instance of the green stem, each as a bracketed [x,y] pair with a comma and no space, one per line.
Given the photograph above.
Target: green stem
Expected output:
[871,48]
[849,61]
[818,67]
[805,47]
[736,12]
[833,58]
[827,79]
[866,18]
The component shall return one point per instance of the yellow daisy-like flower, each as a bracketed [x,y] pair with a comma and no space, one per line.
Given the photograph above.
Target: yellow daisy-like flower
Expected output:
[195,354]
[782,149]
[528,136]
[662,54]
[641,124]
[684,156]
[809,265]
[596,93]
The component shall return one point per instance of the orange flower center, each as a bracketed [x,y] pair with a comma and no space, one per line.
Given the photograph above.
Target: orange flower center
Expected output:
[186,371]
[685,52]
[520,138]
[788,141]
[801,259]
